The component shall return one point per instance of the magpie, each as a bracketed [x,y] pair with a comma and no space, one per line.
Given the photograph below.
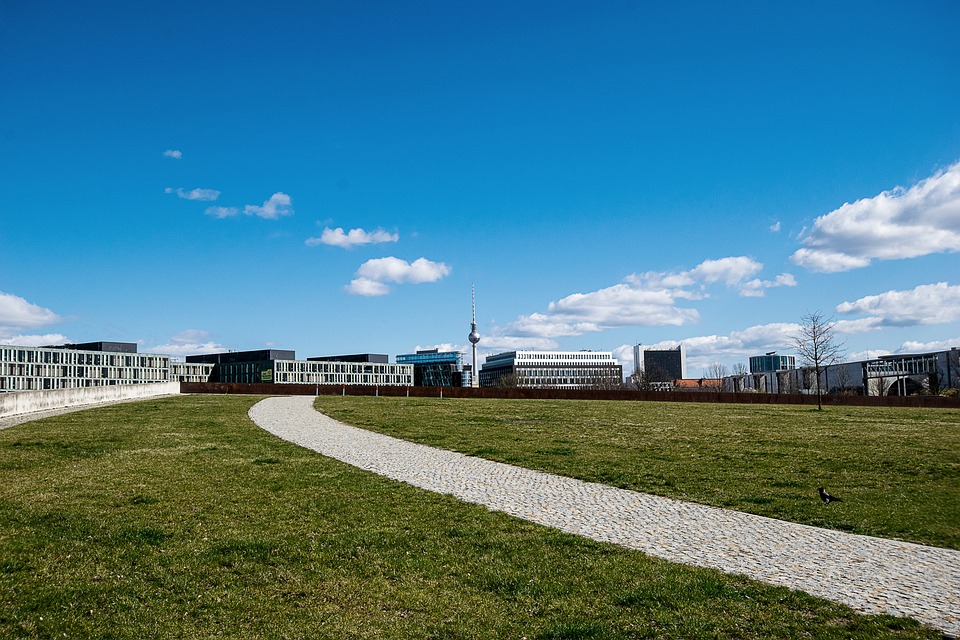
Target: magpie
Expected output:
[826,497]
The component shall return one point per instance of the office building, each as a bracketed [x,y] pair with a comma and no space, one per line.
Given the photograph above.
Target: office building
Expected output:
[660,365]
[92,364]
[190,371]
[771,362]
[435,368]
[280,366]
[552,370]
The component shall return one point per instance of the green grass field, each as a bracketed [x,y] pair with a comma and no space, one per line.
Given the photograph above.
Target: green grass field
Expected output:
[897,470]
[179,518]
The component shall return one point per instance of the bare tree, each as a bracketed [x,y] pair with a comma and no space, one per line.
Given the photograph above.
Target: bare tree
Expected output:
[817,346]
[740,372]
[650,379]
[845,382]
[718,372]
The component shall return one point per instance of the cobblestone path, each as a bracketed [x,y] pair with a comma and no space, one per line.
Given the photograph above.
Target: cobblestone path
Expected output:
[872,575]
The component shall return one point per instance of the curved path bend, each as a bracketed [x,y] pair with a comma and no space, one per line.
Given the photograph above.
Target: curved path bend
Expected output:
[872,575]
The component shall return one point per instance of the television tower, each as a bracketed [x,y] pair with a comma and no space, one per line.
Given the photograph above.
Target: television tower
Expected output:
[474,337]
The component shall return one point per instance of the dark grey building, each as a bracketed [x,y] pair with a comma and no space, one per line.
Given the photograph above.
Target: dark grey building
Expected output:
[661,365]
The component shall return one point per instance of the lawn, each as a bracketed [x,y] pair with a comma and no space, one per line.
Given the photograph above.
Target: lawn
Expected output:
[179,518]
[897,470]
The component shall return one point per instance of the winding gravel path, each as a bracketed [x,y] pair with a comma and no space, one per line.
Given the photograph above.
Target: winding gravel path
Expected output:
[872,575]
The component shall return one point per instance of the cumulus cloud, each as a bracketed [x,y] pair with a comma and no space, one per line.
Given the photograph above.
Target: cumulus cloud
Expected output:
[188,342]
[194,194]
[338,238]
[896,224]
[923,305]
[736,346]
[367,287]
[176,154]
[755,288]
[373,275]
[396,270]
[277,206]
[33,340]
[645,299]
[17,312]
[499,343]
[912,346]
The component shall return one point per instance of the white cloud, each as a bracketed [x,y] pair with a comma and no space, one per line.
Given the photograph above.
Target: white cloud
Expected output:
[869,354]
[176,154]
[938,345]
[730,271]
[493,344]
[646,299]
[222,212]
[755,288]
[194,194]
[337,237]
[277,206]
[34,340]
[188,342]
[855,327]
[923,305]
[367,287]
[17,312]
[373,275]
[896,224]
[737,346]
[775,227]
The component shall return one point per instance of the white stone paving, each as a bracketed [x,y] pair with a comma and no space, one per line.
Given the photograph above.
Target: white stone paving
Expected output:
[872,575]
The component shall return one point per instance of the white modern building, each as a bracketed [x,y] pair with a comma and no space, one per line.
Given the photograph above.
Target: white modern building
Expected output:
[552,370]
[190,371]
[92,364]
[342,373]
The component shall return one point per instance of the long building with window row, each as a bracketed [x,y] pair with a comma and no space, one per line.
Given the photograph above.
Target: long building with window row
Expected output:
[552,370]
[280,366]
[85,365]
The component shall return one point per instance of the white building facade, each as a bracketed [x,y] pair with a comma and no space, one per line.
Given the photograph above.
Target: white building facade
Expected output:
[552,370]
[342,373]
[39,368]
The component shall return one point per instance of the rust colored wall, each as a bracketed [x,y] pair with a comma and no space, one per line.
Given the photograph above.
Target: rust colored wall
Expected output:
[559,394]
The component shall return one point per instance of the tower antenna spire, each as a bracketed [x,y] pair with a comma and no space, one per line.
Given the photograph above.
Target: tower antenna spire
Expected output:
[474,337]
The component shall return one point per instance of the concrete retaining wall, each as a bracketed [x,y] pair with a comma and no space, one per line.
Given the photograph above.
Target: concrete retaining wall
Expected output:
[16,403]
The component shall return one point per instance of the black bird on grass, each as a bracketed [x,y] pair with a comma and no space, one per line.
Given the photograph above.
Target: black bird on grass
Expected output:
[826,497]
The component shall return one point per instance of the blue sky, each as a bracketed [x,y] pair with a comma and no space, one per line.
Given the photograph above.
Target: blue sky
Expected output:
[332,177]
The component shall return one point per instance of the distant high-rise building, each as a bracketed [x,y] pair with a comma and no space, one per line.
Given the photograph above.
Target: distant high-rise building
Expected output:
[660,365]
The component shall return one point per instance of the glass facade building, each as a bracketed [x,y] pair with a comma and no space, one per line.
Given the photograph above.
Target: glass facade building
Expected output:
[771,362]
[435,368]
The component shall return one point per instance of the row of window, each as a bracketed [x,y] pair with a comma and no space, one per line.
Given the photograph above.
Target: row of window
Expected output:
[569,357]
[71,357]
[12,383]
